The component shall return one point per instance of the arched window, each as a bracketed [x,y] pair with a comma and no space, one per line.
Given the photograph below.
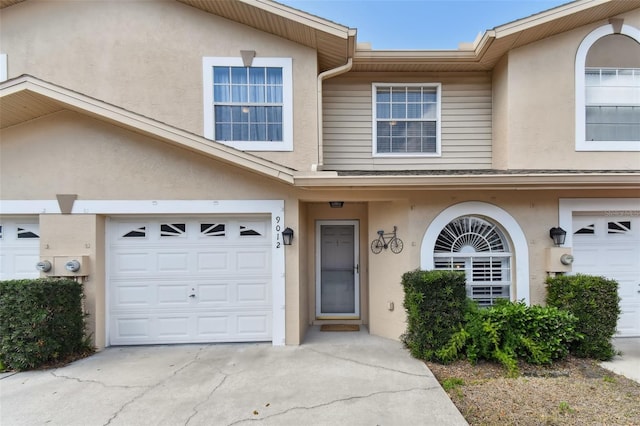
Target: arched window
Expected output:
[479,248]
[608,90]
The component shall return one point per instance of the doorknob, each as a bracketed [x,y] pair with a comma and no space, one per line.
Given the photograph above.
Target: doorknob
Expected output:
[357,268]
[192,295]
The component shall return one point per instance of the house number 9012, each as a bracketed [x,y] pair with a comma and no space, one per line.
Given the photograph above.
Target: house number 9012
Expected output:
[278,228]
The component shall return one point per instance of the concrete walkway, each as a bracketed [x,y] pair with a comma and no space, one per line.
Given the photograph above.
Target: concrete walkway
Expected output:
[628,363]
[334,378]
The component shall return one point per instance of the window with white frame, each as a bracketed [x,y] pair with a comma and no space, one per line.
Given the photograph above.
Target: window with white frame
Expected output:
[249,108]
[406,119]
[608,90]
[612,98]
[478,248]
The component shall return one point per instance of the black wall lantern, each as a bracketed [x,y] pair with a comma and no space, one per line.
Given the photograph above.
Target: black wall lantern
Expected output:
[558,236]
[287,236]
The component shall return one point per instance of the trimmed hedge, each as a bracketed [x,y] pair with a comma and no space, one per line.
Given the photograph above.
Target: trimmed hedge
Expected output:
[435,304]
[41,321]
[595,302]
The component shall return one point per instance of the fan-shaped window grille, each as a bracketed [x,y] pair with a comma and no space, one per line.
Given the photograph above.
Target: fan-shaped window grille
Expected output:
[477,247]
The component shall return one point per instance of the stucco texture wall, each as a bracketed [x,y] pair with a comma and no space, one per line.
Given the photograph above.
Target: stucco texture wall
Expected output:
[146,57]
[536,107]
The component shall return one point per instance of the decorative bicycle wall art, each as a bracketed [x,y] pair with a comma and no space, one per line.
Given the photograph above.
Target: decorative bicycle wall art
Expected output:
[389,240]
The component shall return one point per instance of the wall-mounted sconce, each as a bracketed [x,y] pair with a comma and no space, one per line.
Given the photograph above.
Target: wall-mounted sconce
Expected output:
[558,236]
[287,236]
[336,204]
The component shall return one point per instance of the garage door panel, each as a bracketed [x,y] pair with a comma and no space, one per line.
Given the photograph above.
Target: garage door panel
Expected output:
[206,281]
[19,248]
[216,261]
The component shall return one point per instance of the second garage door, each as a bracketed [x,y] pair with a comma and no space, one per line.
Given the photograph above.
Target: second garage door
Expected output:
[184,280]
[609,246]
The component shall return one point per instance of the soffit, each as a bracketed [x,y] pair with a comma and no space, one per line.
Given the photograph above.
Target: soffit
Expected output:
[27,98]
[331,40]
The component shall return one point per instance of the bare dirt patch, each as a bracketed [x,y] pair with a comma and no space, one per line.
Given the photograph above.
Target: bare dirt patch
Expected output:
[571,392]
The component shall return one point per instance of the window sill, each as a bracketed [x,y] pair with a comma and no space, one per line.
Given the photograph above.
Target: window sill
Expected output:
[612,146]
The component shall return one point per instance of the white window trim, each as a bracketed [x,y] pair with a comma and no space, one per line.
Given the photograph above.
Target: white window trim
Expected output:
[374,119]
[3,67]
[513,231]
[581,59]
[287,97]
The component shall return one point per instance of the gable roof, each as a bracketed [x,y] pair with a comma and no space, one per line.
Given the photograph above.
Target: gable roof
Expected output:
[26,98]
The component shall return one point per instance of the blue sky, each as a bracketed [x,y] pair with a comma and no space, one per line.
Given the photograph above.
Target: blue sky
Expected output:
[421,24]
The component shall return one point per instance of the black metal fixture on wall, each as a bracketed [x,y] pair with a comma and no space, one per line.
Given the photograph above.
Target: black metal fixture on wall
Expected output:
[558,235]
[287,236]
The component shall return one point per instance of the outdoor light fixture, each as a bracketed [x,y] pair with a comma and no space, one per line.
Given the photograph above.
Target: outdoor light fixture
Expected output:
[287,236]
[336,204]
[558,236]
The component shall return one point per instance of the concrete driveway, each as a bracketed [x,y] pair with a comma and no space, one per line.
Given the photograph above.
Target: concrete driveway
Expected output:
[628,362]
[348,378]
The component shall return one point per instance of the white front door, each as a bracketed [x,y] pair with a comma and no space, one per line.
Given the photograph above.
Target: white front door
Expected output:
[609,245]
[337,270]
[185,280]
[19,248]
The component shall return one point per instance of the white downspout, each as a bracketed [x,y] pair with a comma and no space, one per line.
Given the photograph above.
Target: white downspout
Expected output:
[321,77]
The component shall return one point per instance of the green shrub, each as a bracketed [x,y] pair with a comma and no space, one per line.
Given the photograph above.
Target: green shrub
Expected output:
[509,331]
[435,304]
[595,302]
[41,321]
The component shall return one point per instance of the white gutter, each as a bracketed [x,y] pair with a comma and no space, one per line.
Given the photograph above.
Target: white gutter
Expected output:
[321,77]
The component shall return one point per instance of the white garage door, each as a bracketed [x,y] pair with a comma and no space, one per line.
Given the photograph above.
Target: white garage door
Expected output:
[610,246]
[179,280]
[19,248]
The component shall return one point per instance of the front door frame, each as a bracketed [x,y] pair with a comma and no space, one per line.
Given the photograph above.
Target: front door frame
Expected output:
[356,275]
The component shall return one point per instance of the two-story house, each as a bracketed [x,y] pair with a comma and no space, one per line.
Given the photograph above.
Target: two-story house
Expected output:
[170,147]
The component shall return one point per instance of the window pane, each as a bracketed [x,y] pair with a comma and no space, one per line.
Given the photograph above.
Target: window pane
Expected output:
[239,114]
[256,76]
[274,132]
[239,94]
[240,132]
[221,93]
[221,75]
[414,94]
[384,144]
[257,114]
[430,95]
[258,132]
[414,110]
[238,75]
[383,110]
[398,111]
[274,94]
[383,94]
[256,94]
[383,128]
[274,114]
[223,132]
[399,145]
[398,128]
[222,114]
[398,94]
[430,111]
[274,76]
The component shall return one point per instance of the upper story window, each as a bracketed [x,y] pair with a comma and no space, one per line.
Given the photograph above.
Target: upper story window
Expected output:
[608,90]
[406,119]
[249,108]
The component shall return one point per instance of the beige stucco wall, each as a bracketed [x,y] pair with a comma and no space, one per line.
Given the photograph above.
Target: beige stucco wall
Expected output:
[535,107]
[146,57]
[68,153]
[413,212]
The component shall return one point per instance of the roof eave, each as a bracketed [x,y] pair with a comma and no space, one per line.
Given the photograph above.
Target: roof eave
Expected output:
[531,181]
